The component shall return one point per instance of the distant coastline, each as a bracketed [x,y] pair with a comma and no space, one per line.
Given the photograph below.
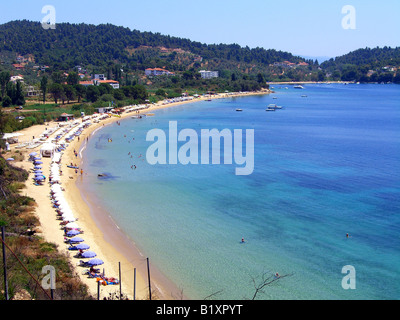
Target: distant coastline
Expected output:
[311,82]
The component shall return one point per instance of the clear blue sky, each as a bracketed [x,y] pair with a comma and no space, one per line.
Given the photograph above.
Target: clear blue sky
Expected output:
[306,27]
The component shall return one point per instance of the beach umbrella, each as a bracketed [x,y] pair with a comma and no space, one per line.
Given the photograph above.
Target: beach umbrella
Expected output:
[88,254]
[10,159]
[37,158]
[39,178]
[95,262]
[37,167]
[38,171]
[82,246]
[38,162]
[73,233]
[33,154]
[76,239]
[72,225]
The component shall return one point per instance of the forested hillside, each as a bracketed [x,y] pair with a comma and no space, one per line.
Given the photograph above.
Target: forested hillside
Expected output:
[81,44]
[366,65]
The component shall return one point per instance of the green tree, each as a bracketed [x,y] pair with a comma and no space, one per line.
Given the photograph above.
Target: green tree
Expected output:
[70,92]
[58,77]
[6,102]
[73,79]
[119,94]
[80,92]
[260,78]
[43,87]
[160,92]
[92,93]
[19,95]
[4,80]
[11,91]
[57,91]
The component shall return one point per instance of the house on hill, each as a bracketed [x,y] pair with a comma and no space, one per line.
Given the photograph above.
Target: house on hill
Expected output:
[208,74]
[112,83]
[18,66]
[157,72]
[19,77]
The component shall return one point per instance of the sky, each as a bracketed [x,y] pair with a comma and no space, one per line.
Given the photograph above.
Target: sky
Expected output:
[311,28]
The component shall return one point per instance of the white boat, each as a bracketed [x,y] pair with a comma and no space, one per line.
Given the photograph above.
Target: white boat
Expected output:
[239,110]
[298,87]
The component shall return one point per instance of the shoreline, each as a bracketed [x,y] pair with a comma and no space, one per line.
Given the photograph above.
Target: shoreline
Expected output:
[310,82]
[100,231]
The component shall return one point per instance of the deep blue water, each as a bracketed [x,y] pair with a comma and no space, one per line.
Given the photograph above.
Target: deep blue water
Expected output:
[326,165]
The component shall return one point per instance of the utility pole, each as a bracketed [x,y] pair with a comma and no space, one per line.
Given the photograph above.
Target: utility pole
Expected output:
[4,264]
[148,274]
[120,290]
[134,284]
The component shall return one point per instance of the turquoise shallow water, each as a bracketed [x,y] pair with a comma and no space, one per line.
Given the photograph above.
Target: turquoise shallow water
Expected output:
[325,165]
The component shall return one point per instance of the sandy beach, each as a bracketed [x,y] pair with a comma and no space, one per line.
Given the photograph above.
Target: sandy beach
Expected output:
[104,237]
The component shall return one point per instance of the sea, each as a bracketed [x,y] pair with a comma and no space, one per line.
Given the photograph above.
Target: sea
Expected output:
[321,207]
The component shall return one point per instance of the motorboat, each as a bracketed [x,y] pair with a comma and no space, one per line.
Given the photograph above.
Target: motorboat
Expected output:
[271,107]
[298,87]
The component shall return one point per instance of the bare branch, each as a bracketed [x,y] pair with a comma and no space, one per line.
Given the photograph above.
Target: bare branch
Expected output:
[266,279]
[213,294]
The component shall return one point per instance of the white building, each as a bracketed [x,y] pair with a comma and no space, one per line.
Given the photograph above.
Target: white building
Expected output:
[14,79]
[99,77]
[112,83]
[208,74]
[157,72]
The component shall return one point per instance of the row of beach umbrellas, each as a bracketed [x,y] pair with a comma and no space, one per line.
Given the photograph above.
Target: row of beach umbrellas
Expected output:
[65,211]
[37,166]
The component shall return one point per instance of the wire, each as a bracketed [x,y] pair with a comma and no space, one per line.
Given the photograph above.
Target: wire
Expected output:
[20,262]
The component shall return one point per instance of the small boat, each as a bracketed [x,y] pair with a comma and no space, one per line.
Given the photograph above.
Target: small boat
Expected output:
[274,98]
[304,96]
[298,87]
[239,109]
[139,116]
[271,107]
